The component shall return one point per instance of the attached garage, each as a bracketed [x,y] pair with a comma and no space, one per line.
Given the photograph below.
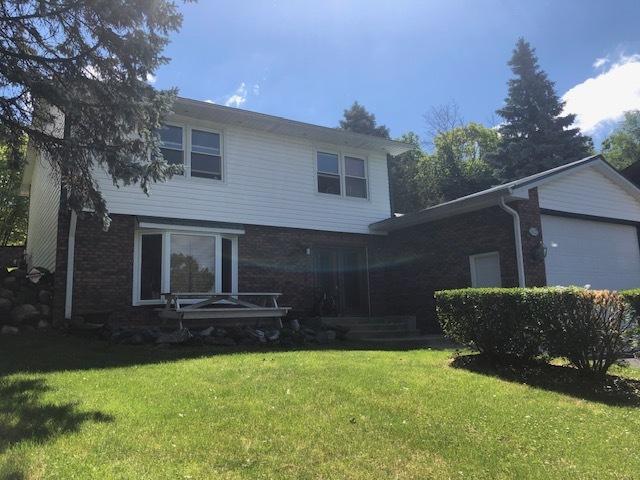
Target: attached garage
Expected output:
[587,252]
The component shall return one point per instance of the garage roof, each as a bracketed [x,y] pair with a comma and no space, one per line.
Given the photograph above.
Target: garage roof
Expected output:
[510,191]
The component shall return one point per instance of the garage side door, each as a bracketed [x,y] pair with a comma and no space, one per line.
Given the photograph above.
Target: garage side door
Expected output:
[585,252]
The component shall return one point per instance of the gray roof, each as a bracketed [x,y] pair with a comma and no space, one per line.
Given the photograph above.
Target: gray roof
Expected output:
[273,124]
[475,201]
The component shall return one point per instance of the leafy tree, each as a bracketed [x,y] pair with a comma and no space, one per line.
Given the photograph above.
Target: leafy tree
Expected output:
[86,62]
[622,147]
[535,135]
[14,208]
[457,165]
[402,176]
[358,119]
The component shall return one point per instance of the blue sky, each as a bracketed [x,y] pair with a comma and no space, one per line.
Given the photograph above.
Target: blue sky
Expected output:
[308,60]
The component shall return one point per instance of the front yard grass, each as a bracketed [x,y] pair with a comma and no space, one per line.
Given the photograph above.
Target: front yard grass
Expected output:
[72,408]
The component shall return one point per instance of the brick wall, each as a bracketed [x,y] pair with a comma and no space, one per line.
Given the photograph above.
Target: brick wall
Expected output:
[405,267]
[416,261]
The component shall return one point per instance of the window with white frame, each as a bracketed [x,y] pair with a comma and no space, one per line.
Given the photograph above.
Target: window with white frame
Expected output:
[355,177]
[206,158]
[328,166]
[341,173]
[181,262]
[198,150]
[172,144]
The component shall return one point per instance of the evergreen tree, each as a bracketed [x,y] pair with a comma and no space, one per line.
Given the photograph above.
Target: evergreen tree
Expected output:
[622,147]
[535,135]
[358,119]
[73,79]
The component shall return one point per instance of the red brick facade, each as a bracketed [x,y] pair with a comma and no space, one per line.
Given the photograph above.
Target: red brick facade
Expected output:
[405,267]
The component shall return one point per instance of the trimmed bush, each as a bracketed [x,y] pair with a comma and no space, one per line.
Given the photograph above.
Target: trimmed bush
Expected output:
[588,327]
[499,322]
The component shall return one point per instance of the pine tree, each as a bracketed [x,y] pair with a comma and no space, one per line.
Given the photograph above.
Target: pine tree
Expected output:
[535,135]
[73,79]
[358,119]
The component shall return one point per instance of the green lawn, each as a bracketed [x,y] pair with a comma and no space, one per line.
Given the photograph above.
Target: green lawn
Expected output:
[72,408]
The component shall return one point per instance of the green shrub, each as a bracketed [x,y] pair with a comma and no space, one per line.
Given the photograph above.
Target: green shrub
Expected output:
[633,298]
[497,321]
[588,327]
[592,329]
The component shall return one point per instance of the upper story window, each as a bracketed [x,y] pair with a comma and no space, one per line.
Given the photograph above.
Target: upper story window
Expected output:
[171,144]
[328,166]
[204,150]
[206,160]
[355,177]
[341,172]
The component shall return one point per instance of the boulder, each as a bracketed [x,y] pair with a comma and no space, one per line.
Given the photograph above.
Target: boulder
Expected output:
[178,336]
[19,273]
[5,305]
[24,314]
[326,336]
[45,310]
[224,341]
[43,325]
[8,330]
[10,282]
[27,294]
[6,293]
[44,297]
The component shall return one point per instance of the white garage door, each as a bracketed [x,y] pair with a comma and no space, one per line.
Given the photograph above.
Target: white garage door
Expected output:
[584,252]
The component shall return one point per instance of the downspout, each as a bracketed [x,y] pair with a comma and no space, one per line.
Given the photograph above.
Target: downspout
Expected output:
[71,246]
[518,236]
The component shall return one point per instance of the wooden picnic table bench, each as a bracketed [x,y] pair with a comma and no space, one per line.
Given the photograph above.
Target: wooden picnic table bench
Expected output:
[228,305]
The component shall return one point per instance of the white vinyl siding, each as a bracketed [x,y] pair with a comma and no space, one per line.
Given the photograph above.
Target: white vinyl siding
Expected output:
[588,192]
[584,252]
[44,204]
[268,180]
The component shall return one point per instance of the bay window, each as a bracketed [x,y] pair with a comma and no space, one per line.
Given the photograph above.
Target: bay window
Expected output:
[175,261]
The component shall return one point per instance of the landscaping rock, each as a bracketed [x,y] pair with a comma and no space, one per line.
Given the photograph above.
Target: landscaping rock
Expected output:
[6,293]
[8,330]
[179,336]
[5,305]
[44,297]
[19,273]
[45,310]
[325,336]
[23,314]
[43,325]
[223,341]
[10,283]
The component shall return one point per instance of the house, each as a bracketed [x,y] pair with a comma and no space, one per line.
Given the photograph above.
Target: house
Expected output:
[270,204]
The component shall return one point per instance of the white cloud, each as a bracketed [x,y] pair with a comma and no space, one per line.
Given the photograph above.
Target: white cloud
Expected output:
[208,100]
[256,89]
[238,97]
[151,78]
[600,62]
[604,98]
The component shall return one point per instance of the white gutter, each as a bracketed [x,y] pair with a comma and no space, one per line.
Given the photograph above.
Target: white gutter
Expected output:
[518,237]
[71,246]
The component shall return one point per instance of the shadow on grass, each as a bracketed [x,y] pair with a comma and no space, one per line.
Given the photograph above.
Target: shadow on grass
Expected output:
[610,389]
[24,416]
[51,352]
